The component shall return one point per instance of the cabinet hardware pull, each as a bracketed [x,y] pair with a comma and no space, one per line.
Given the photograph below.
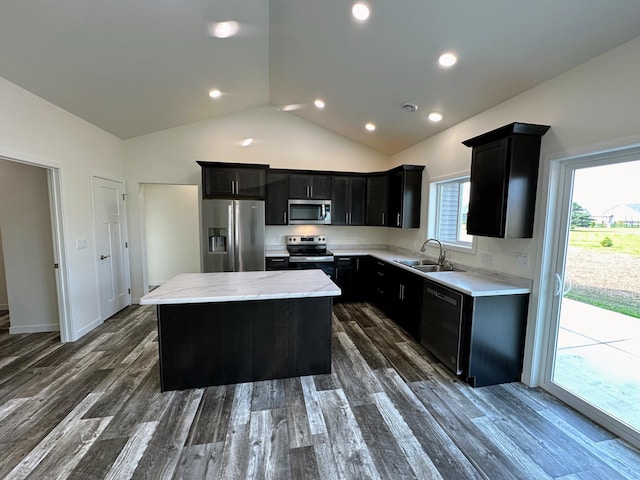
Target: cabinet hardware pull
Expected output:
[398,221]
[311,190]
[277,260]
[346,218]
[284,217]
[383,219]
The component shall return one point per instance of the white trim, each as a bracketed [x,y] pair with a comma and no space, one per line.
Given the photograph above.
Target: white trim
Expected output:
[60,256]
[34,329]
[540,347]
[54,178]
[432,215]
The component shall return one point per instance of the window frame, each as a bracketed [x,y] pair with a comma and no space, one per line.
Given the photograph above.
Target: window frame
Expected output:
[434,212]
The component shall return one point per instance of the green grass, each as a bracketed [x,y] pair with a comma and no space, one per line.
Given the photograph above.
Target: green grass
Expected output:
[601,301]
[625,240]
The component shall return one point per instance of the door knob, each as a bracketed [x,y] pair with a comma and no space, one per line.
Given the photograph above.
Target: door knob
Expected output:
[104,257]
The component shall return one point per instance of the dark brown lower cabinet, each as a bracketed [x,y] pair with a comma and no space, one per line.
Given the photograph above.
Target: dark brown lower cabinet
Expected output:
[204,344]
[493,339]
[486,343]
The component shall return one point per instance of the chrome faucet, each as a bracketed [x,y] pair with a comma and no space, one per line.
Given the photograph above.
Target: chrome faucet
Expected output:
[443,252]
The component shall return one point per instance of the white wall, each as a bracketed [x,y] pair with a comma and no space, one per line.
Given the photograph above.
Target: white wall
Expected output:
[281,140]
[172,230]
[25,220]
[4,302]
[590,108]
[38,132]
[595,102]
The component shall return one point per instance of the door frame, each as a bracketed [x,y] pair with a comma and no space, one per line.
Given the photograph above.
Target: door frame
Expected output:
[94,175]
[559,173]
[59,242]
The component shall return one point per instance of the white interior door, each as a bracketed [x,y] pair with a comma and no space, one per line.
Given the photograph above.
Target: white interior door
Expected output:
[111,251]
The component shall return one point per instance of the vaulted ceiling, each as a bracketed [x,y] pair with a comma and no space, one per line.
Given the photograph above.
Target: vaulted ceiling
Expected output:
[140,66]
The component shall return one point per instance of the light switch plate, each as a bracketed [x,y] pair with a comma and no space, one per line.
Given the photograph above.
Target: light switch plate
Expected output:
[81,243]
[487,258]
[522,259]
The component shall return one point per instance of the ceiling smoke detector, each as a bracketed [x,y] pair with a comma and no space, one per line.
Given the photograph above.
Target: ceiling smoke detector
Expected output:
[409,107]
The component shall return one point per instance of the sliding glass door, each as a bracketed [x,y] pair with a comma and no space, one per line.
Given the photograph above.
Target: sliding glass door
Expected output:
[594,362]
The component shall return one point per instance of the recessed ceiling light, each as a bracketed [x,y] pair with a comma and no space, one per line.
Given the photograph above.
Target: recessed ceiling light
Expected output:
[215,93]
[318,103]
[246,142]
[360,11]
[224,29]
[370,126]
[447,59]
[435,116]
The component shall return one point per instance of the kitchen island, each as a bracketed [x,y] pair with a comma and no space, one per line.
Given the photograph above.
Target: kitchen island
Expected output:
[233,327]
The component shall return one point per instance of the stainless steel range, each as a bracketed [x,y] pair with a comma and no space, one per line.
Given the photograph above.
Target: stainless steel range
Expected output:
[308,252]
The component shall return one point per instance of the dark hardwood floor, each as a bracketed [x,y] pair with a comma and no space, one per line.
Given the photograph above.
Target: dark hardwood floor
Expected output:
[93,409]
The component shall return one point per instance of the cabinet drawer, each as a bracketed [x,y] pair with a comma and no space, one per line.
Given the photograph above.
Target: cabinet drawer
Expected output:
[277,263]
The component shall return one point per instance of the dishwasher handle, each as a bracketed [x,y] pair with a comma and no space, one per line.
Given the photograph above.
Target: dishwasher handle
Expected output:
[442,296]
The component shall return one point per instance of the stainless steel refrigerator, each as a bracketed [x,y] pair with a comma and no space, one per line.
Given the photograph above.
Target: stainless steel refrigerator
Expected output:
[232,235]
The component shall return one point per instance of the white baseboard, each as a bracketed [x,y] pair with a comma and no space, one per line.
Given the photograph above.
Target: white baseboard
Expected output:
[33,329]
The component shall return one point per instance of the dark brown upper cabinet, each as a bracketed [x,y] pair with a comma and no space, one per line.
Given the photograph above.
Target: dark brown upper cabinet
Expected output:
[309,185]
[348,200]
[277,201]
[504,176]
[376,205]
[404,196]
[233,180]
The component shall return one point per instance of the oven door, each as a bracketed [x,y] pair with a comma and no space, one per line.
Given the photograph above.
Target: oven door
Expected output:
[308,264]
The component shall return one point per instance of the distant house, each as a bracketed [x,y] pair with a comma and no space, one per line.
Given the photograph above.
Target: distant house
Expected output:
[624,214]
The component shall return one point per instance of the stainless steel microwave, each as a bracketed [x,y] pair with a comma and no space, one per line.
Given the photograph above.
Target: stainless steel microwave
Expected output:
[309,212]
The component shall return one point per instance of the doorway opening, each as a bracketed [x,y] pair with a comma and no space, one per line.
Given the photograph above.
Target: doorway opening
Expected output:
[33,248]
[171,229]
[594,355]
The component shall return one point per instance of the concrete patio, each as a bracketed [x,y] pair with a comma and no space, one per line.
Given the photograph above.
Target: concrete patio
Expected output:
[598,359]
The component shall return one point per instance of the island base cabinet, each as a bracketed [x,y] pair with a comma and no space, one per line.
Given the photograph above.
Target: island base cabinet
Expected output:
[495,334]
[206,344]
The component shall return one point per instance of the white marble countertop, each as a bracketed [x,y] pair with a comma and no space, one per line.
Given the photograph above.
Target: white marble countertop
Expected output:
[241,286]
[473,283]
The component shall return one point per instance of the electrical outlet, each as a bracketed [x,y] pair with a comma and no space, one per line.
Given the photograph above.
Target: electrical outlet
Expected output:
[522,259]
[487,258]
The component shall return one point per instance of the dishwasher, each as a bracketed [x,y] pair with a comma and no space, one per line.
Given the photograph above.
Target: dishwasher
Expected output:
[442,325]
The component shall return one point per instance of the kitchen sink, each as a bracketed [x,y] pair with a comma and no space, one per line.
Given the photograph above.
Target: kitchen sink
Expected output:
[432,268]
[416,263]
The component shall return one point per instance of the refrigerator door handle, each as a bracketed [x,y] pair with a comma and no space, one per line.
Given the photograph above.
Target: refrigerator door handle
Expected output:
[233,240]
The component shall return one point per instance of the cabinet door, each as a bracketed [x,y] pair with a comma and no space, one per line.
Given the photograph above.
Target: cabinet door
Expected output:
[411,303]
[396,194]
[218,181]
[298,185]
[320,186]
[340,201]
[488,189]
[358,187]
[344,276]
[250,182]
[376,204]
[277,198]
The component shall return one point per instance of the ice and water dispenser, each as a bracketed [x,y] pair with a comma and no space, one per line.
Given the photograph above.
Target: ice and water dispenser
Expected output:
[218,240]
